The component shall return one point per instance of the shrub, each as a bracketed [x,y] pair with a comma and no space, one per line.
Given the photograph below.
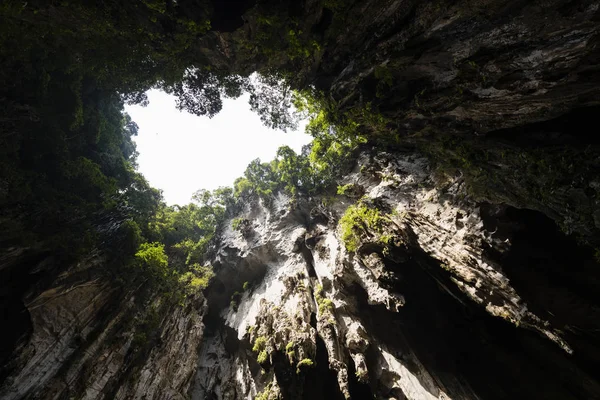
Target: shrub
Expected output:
[236,224]
[196,279]
[267,394]
[346,189]
[260,343]
[242,225]
[262,357]
[152,256]
[356,221]
[324,304]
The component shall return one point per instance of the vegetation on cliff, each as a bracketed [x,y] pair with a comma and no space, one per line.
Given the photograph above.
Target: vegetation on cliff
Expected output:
[68,165]
[498,96]
[68,179]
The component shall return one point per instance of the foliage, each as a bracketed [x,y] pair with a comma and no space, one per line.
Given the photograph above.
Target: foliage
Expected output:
[68,179]
[67,158]
[362,376]
[317,167]
[152,257]
[357,221]
[350,190]
[289,347]
[296,174]
[272,98]
[262,357]
[304,363]
[342,190]
[236,224]
[269,393]
[242,225]
[201,90]
[196,278]
[146,327]
[188,230]
[335,4]
[260,344]
[324,304]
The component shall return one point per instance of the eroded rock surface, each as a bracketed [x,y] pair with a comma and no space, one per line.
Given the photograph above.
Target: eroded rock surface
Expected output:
[469,289]
[91,341]
[445,298]
[422,310]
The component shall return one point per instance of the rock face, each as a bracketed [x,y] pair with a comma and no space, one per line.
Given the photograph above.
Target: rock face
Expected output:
[89,341]
[506,91]
[444,298]
[428,307]
[463,285]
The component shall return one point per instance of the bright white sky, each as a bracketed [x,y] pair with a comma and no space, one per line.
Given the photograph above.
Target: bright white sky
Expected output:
[181,153]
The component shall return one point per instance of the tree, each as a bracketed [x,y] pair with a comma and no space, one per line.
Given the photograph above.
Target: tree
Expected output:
[199,93]
[294,170]
[152,257]
[272,99]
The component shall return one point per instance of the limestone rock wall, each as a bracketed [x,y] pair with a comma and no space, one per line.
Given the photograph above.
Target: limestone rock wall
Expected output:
[89,340]
[443,298]
[423,310]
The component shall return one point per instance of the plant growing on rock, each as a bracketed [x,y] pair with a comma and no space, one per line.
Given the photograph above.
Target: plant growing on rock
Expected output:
[358,221]
[235,300]
[242,225]
[351,190]
[303,364]
[236,224]
[289,351]
[262,357]
[342,190]
[270,392]
[260,347]
[153,258]
[260,343]
[196,279]
[362,375]
[289,347]
[324,304]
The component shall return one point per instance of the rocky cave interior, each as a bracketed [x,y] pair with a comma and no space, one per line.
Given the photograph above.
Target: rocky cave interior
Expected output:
[471,269]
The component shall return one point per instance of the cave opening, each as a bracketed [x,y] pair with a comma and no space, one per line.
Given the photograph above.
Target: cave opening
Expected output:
[383,71]
[181,153]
